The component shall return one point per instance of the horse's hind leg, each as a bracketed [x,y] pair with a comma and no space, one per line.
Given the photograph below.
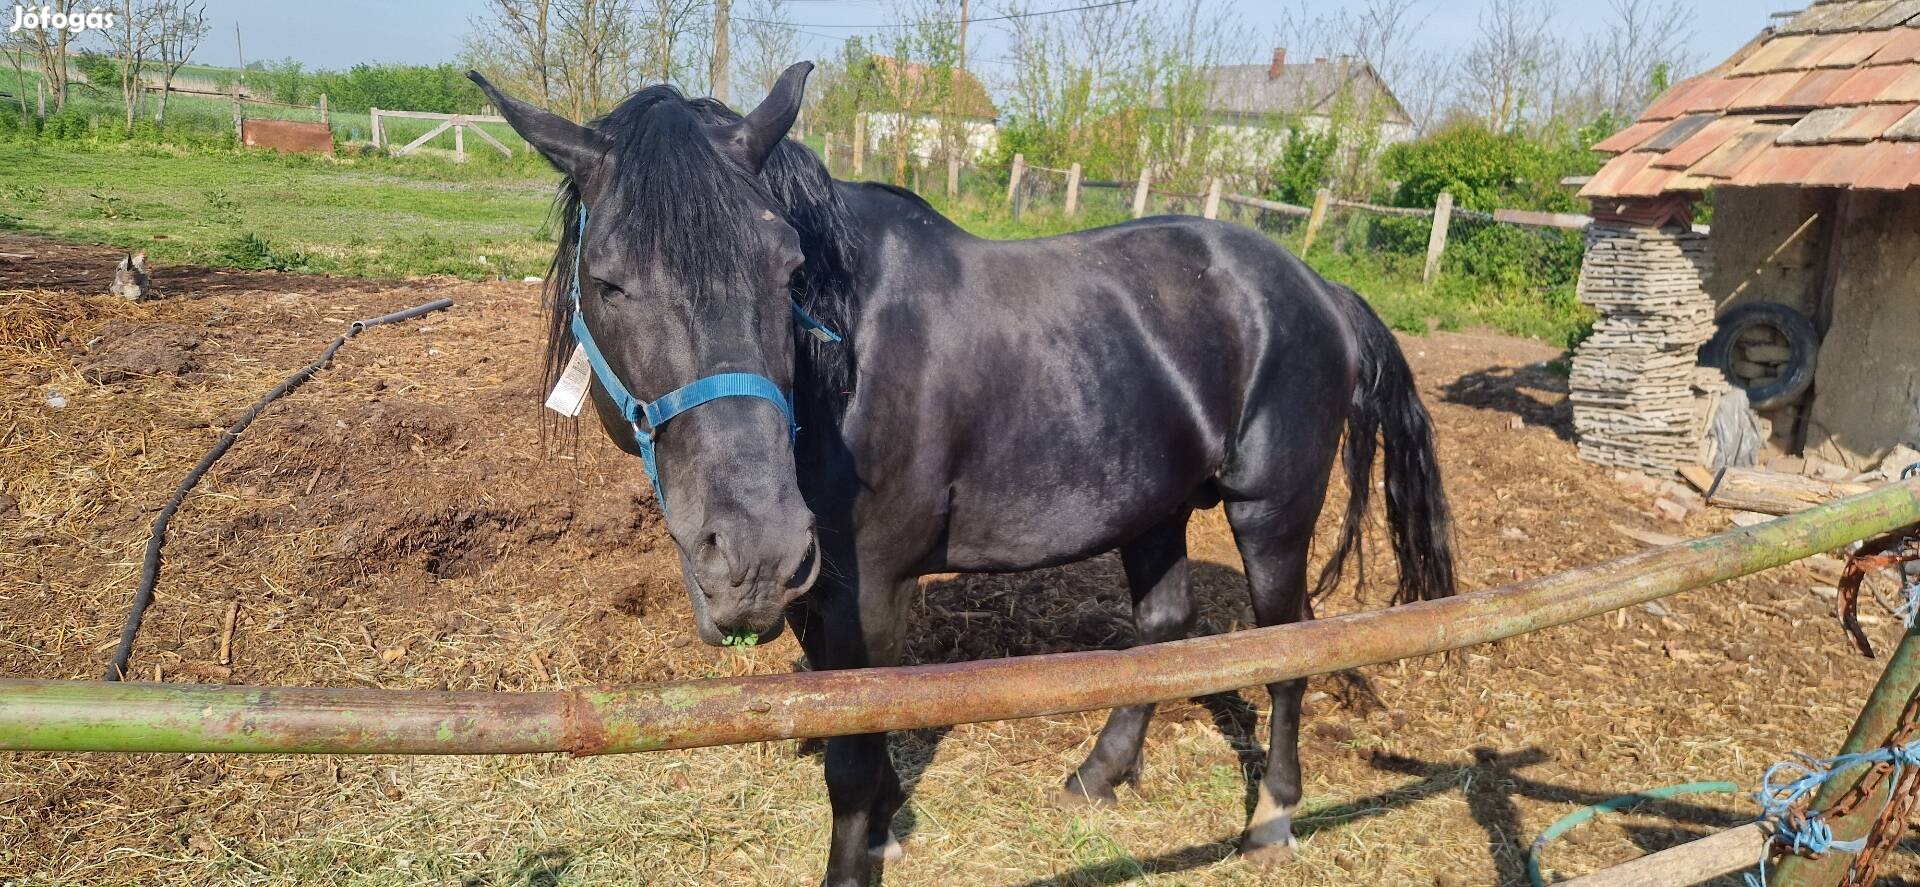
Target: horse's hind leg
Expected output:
[1274,538]
[1156,566]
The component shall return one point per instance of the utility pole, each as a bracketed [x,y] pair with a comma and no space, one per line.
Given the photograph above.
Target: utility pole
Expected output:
[719,89]
[242,53]
[966,12]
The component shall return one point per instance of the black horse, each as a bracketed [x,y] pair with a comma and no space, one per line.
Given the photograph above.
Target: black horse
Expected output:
[995,406]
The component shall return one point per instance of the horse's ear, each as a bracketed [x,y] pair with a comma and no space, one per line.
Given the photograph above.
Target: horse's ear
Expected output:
[570,147]
[766,125]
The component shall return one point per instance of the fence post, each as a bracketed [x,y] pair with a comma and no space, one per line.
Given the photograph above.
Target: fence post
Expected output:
[826,151]
[239,136]
[459,143]
[326,117]
[859,145]
[1019,172]
[1321,199]
[1212,208]
[1437,241]
[1140,191]
[40,97]
[953,176]
[1073,189]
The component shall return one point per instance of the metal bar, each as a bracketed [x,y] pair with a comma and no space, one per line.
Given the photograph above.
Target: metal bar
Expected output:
[1383,210]
[1273,206]
[74,716]
[1878,720]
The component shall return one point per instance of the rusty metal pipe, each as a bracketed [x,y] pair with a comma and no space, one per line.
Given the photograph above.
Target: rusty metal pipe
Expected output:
[73,716]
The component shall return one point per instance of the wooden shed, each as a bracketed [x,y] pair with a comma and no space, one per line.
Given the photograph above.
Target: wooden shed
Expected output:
[1808,141]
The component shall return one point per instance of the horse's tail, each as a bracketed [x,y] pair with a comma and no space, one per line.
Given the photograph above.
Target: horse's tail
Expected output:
[1386,404]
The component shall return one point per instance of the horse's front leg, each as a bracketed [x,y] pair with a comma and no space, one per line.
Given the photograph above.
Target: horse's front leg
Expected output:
[840,628]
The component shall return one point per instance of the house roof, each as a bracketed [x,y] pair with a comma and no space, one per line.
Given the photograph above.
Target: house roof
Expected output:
[1829,100]
[1311,88]
[969,97]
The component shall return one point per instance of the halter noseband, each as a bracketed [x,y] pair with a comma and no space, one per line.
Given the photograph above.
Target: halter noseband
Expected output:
[701,391]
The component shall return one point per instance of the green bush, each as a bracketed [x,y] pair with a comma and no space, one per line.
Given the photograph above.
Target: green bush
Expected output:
[250,252]
[70,125]
[1486,171]
[442,89]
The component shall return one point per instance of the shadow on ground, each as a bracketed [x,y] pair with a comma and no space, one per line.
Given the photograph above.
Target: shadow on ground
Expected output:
[1491,782]
[1535,393]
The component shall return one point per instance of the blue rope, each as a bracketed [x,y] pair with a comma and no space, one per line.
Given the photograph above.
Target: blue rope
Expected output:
[1910,604]
[1812,834]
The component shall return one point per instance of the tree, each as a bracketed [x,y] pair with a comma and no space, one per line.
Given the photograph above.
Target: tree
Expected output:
[50,46]
[918,80]
[578,56]
[1508,67]
[1625,67]
[516,39]
[766,48]
[1120,87]
[182,25]
[674,29]
[134,36]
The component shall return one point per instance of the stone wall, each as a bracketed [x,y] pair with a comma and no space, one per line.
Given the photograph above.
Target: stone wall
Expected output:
[1770,245]
[1867,390]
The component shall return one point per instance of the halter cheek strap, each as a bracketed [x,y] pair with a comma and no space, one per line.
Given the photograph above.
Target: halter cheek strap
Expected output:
[701,391]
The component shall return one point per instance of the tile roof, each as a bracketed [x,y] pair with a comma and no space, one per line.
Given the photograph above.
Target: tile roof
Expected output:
[1829,99]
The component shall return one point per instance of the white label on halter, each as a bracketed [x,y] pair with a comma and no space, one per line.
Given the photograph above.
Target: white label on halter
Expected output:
[570,393]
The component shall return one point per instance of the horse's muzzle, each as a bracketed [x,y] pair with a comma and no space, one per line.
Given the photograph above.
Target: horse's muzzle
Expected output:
[741,585]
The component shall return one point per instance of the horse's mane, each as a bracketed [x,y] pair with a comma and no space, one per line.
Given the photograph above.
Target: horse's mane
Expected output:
[679,191]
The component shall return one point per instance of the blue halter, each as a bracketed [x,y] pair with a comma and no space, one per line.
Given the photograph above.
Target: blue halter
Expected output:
[680,400]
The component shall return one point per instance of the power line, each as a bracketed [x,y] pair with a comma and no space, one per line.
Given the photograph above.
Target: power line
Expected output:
[997,18]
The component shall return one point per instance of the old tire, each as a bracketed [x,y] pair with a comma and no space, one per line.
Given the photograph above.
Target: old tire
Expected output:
[1803,345]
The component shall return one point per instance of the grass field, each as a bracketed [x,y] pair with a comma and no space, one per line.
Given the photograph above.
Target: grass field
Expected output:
[376,216]
[372,216]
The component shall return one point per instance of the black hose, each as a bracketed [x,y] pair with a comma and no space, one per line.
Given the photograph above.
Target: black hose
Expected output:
[150,566]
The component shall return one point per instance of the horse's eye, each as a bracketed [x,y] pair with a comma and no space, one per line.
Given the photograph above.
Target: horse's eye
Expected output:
[609,291]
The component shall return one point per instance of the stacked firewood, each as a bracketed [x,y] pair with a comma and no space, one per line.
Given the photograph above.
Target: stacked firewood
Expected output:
[1639,400]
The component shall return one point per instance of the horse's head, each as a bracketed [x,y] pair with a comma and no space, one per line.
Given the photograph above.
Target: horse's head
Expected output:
[683,271]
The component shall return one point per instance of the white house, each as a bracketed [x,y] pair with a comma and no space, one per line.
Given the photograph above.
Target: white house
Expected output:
[965,107]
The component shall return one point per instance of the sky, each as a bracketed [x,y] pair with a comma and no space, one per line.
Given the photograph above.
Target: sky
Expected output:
[340,33]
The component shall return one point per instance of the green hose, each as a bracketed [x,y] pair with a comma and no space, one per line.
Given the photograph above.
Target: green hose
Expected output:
[1567,822]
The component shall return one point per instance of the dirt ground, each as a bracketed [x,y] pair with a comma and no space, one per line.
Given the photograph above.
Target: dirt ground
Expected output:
[401,522]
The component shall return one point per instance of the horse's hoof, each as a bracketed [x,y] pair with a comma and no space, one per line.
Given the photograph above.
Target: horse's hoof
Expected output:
[1268,856]
[1072,797]
[888,851]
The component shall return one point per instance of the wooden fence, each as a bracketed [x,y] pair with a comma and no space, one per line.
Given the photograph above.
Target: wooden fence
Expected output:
[459,123]
[1442,213]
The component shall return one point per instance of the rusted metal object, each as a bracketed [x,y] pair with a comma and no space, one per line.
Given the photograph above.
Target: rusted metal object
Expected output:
[1879,554]
[1852,803]
[287,135]
[70,716]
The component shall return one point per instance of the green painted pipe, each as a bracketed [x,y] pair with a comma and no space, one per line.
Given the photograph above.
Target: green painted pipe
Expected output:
[1878,720]
[72,716]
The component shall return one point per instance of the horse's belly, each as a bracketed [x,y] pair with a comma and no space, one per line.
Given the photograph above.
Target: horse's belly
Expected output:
[1028,519]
